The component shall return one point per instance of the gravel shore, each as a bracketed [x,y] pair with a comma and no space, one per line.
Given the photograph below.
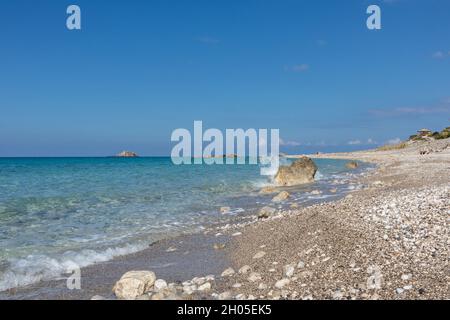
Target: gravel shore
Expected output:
[388,241]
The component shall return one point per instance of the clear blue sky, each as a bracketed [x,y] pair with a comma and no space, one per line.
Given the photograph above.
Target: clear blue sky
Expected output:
[139,69]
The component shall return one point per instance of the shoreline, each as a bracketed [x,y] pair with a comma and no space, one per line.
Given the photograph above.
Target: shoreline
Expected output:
[386,241]
[350,248]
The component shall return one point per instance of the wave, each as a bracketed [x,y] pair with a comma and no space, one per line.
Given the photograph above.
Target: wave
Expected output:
[36,268]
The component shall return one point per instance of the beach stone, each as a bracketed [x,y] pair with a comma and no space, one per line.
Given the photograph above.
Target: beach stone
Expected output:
[300,265]
[228,272]
[144,297]
[188,290]
[283,195]
[262,286]
[244,270]
[97,297]
[408,287]
[237,285]
[205,287]
[334,190]
[294,205]
[198,280]
[301,171]
[219,246]
[224,295]
[399,290]
[338,295]
[351,165]
[158,296]
[281,283]
[288,270]
[266,212]
[259,255]
[406,276]
[316,192]
[254,276]
[159,285]
[134,284]
[224,210]
[210,277]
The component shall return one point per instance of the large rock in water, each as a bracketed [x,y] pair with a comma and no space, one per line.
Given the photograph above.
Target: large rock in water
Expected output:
[134,284]
[351,165]
[300,171]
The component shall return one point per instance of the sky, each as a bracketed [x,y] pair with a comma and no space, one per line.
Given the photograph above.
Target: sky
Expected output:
[137,70]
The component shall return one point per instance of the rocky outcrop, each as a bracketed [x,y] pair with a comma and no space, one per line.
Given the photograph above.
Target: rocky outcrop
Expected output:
[351,165]
[301,171]
[134,284]
[127,154]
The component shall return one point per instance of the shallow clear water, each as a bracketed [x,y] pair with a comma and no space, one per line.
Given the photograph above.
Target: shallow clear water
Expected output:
[55,212]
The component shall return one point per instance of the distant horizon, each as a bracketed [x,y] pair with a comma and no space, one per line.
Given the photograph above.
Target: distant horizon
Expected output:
[323,150]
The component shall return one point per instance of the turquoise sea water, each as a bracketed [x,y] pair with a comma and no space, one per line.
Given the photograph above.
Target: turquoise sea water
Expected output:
[55,212]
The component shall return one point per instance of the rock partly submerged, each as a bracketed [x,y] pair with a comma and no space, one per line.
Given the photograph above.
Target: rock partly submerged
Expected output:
[301,171]
[351,165]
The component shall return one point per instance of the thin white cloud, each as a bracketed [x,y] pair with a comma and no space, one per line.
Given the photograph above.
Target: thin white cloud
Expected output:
[357,142]
[442,107]
[354,142]
[394,141]
[299,68]
[439,55]
[289,143]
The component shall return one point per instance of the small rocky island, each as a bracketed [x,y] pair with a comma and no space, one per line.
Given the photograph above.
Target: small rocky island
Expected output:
[127,154]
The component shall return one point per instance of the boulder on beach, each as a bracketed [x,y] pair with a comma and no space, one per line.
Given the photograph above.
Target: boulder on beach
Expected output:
[134,284]
[301,171]
[283,195]
[266,212]
[351,165]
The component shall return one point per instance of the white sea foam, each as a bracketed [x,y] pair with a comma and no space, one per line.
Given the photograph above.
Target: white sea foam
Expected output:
[35,268]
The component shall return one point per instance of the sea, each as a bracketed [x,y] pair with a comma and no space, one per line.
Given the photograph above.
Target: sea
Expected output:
[59,212]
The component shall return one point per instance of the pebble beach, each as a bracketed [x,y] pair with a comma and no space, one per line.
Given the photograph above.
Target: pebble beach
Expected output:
[389,240]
